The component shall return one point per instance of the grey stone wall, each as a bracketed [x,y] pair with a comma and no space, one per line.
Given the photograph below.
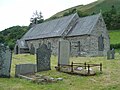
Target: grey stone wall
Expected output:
[100,29]
[87,44]
[52,41]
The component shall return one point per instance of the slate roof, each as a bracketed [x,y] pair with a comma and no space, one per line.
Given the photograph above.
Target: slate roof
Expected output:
[85,25]
[51,28]
[56,27]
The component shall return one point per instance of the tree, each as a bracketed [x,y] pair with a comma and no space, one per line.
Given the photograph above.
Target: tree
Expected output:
[81,14]
[36,18]
[112,18]
[71,11]
[66,14]
[2,40]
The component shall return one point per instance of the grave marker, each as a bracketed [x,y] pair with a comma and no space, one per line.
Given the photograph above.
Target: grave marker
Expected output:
[63,52]
[43,58]
[111,54]
[22,69]
[5,61]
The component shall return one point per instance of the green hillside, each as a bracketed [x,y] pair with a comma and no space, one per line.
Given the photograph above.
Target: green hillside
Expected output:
[10,35]
[96,7]
[104,5]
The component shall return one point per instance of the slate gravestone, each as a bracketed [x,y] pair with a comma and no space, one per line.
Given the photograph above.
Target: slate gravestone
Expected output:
[111,54]
[43,58]
[22,69]
[108,54]
[64,52]
[5,61]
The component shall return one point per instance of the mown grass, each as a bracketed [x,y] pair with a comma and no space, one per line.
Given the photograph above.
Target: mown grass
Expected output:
[109,80]
[115,39]
[114,36]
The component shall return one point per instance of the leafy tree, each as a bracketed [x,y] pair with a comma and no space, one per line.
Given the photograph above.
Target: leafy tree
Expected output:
[66,14]
[2,38]
[74,10]
[81,14]
[10,35]
[36,18]
[71,11]
[112,18]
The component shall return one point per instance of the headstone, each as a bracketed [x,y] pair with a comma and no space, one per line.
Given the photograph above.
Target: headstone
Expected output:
[63,52]
[108,54]
[5,61]
[113,53]
[22,69]
[43,58]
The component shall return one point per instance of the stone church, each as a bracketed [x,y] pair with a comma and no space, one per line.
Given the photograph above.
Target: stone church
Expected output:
[87,36]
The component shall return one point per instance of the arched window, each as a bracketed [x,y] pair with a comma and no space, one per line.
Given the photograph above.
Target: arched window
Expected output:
[100,43]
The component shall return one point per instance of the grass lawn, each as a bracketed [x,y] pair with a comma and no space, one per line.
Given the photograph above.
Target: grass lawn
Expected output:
[114,36]
[109,80]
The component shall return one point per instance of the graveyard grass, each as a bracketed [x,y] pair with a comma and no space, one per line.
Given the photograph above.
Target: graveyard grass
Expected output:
[109,80]
[114,36]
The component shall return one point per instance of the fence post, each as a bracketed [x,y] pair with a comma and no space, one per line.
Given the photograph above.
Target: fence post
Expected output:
[85,65]
[101,67]
[72,67]
[88,69]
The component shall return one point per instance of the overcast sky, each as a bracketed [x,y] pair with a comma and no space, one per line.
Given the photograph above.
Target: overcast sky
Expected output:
[19,12]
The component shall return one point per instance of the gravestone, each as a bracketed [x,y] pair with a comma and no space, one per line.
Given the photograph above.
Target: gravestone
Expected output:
[63,52]
[111,54]
[43,58]
[5,61]
[22,69]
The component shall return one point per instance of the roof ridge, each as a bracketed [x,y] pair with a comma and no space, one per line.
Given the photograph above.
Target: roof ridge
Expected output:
[67,29]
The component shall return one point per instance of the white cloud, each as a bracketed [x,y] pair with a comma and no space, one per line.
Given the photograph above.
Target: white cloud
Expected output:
[19,12]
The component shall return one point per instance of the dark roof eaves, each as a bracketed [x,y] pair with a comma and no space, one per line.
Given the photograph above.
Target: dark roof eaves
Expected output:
[42,38]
